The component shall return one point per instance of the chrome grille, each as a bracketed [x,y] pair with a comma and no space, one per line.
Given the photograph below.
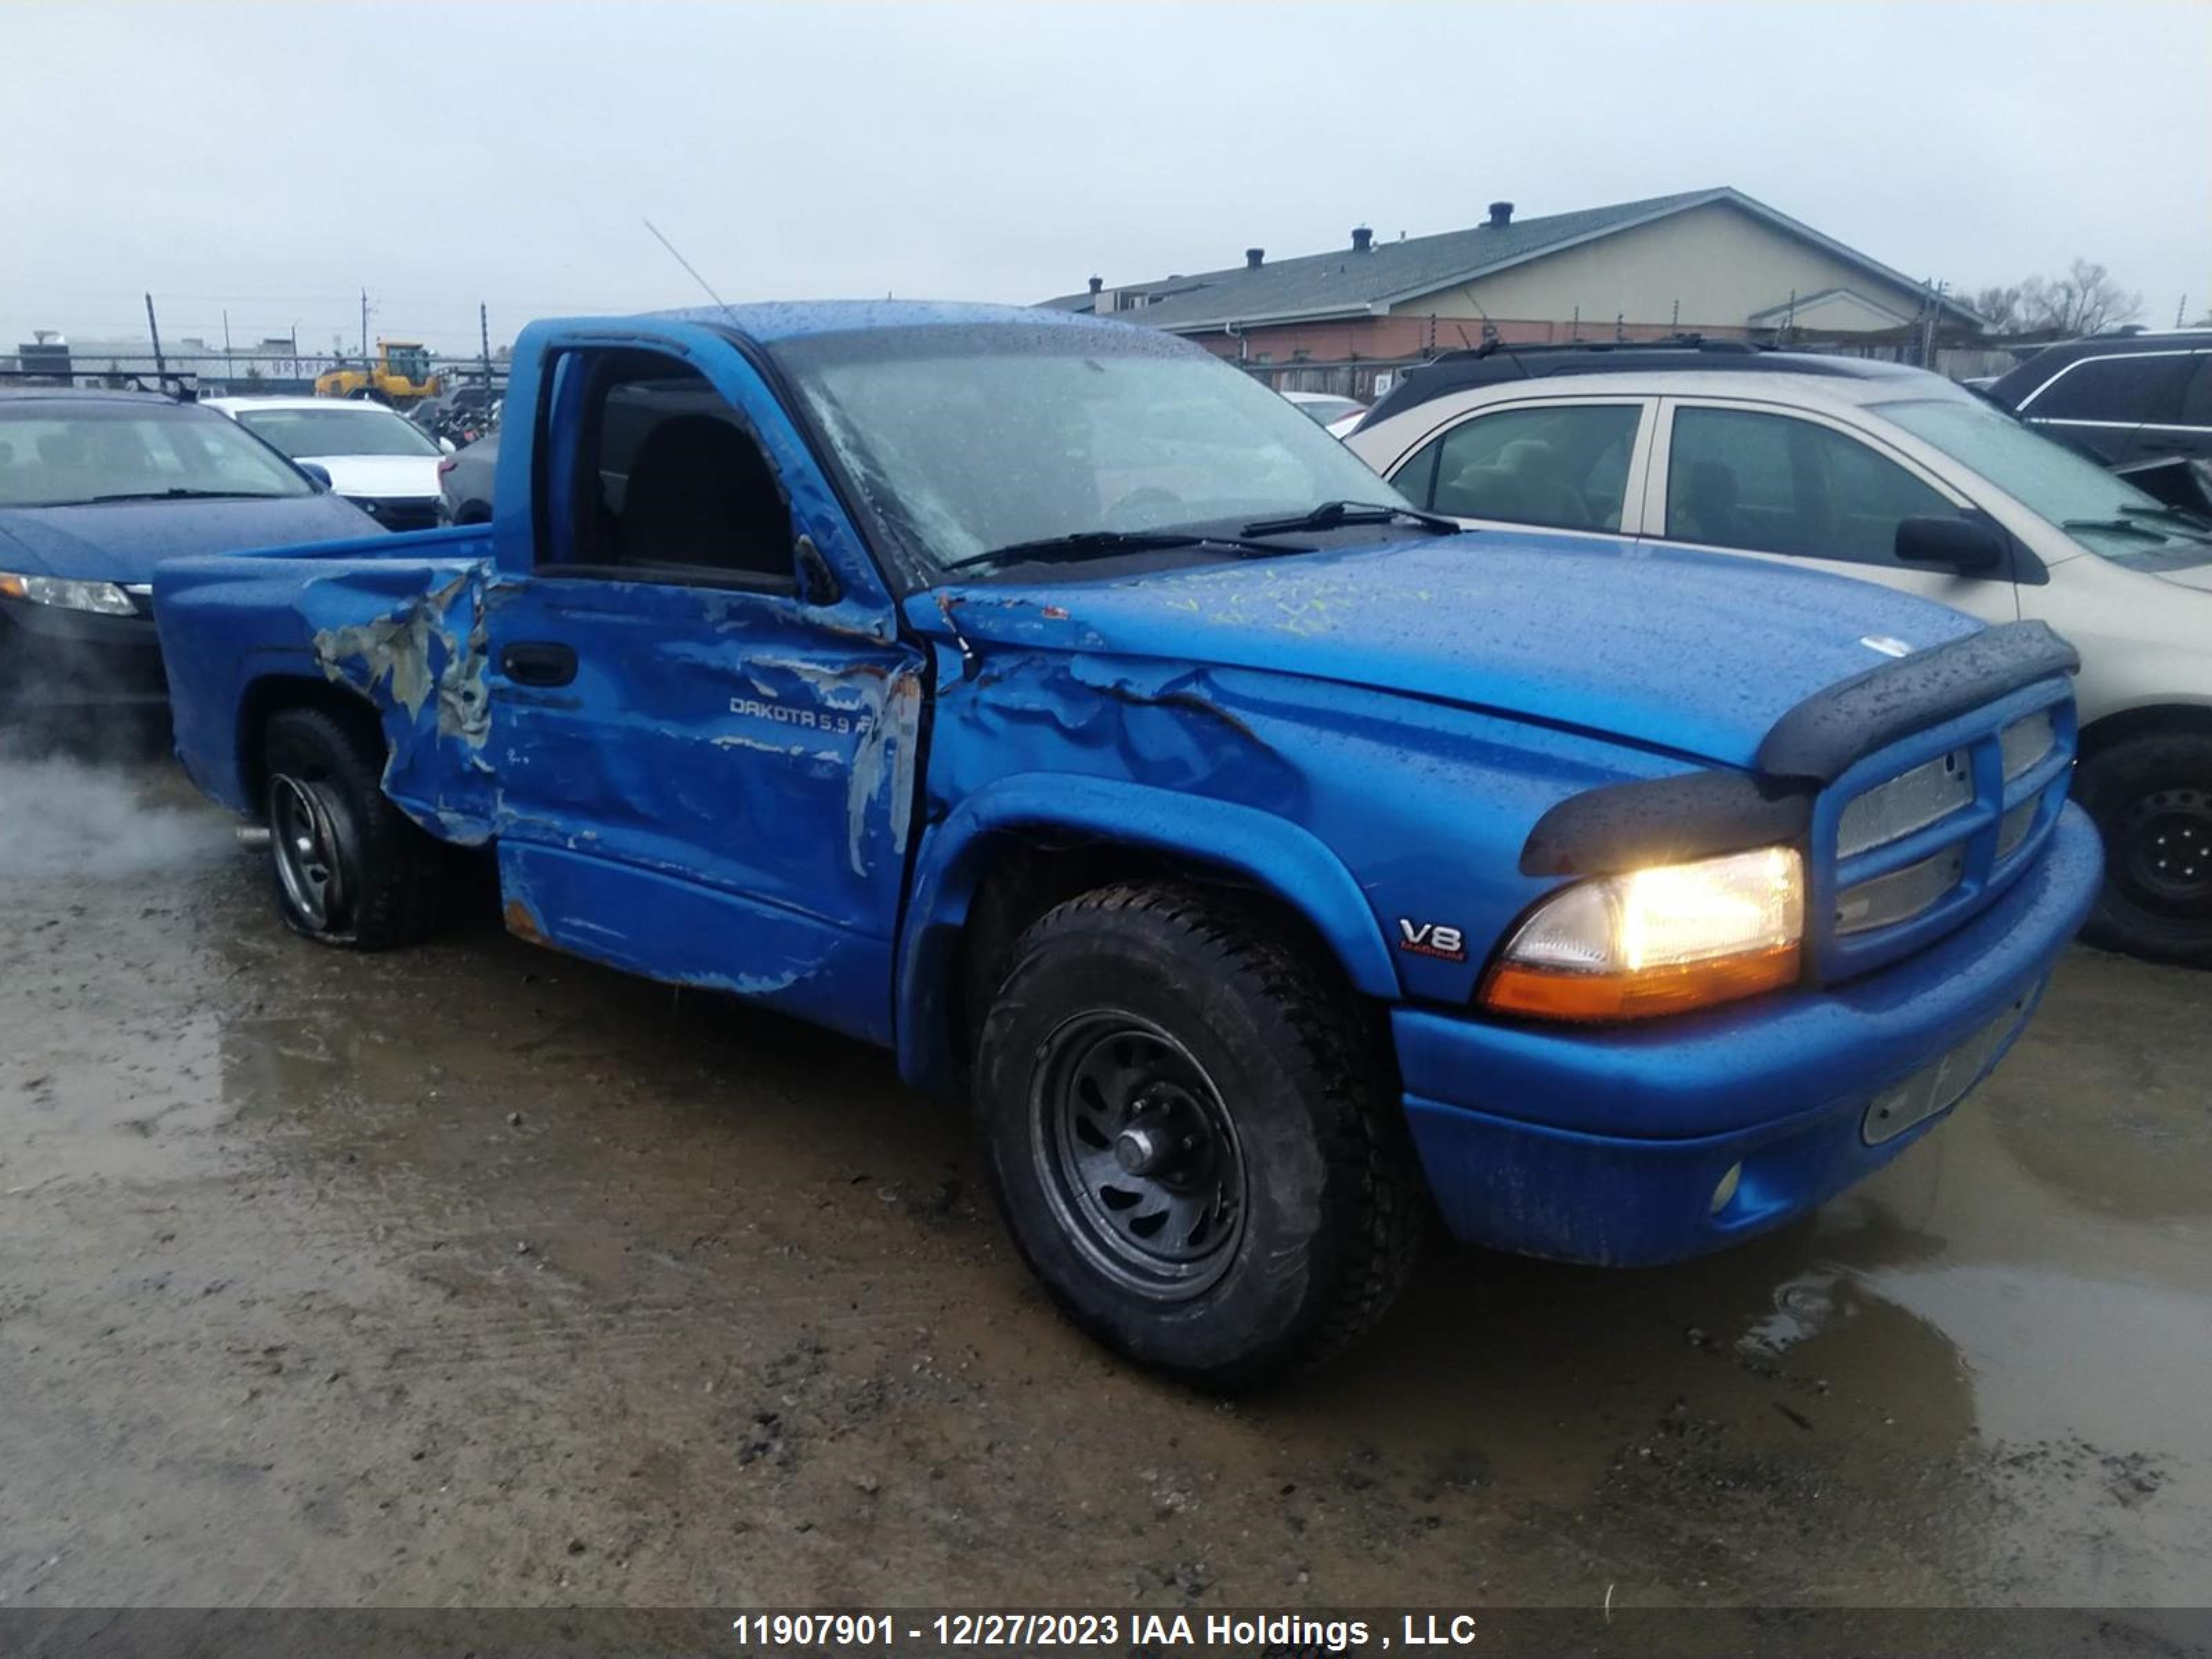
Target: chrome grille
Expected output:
[2026,741]
[1911,800]
[1900,895]
[1916,838]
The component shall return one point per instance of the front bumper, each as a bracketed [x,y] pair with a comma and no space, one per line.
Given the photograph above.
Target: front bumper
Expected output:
[55,658]
[1609,1146]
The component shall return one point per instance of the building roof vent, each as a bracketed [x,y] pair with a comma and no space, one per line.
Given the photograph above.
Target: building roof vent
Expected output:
[1361,238]
[1253,257]
[1098,283]
[1501,215]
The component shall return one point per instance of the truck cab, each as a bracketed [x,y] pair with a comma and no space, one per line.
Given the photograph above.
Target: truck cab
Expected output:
[1277,867]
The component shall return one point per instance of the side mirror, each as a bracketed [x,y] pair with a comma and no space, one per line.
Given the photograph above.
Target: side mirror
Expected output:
[318,471]
[445,446]
[1959,544]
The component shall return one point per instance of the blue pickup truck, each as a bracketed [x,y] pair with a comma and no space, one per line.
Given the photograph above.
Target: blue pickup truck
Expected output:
[1277,867]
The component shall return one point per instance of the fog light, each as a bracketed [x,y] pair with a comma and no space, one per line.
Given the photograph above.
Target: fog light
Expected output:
[1725,1190]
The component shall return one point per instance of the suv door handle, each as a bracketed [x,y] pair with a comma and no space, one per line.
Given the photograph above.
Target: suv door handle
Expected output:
[539,662]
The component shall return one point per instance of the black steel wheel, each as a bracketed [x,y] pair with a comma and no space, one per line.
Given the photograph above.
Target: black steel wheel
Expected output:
[1137,1155]
[2152,799]
[2166,849]
[1190,1136]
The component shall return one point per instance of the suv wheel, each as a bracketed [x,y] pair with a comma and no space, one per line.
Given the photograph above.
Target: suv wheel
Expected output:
[2152,799]
[1180,1123]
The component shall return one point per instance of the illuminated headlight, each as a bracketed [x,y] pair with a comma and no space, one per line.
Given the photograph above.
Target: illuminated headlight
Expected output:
[1658,941]
[106,598]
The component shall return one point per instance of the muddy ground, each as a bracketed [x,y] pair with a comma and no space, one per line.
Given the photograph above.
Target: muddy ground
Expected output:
[476,1275]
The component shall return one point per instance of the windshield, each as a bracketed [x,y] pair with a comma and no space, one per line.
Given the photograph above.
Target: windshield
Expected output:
[964,440]
[411,360]
[340,429]
[2103,514]
[58,453]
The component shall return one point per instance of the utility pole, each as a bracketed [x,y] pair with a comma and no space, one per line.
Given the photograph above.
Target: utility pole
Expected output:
[160,367]
[364,328]
[1934,320]
[2181,310]
[483,338]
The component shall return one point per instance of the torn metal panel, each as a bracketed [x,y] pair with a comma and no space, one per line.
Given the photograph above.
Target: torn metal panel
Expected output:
[1616,640]
[1352,805]
[422,663]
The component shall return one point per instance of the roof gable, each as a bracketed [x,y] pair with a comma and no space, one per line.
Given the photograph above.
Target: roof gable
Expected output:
[1347,283]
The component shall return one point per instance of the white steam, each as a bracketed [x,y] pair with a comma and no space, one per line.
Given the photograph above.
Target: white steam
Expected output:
[61,816]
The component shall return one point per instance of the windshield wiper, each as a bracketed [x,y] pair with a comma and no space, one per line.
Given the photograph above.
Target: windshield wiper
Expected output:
[1081,545]
[1085,543]
[2114,526]
[181,495]
[1330,515]
[2192,524]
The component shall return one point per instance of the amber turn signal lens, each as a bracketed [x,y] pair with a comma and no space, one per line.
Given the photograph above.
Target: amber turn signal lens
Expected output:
[1539,994]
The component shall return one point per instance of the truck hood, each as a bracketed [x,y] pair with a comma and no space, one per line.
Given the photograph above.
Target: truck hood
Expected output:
[123,541]
[381,477]
[1694,653]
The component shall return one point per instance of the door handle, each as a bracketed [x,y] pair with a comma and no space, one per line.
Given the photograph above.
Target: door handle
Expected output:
[539,662]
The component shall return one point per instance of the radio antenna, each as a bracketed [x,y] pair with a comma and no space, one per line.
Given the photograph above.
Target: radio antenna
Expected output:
[692,271]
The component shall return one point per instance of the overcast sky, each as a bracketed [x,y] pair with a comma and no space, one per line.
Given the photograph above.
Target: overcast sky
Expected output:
[273,160]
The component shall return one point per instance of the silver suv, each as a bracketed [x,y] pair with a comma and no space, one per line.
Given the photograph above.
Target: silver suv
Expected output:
[1889,475]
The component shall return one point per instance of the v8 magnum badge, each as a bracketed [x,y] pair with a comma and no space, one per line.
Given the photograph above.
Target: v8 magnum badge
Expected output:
[1431,939]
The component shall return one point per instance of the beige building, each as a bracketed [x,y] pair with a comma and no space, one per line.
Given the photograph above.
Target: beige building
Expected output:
[1712,262]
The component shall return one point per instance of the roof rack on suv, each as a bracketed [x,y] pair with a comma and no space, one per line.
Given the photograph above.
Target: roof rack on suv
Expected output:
[1684,341]
[1495,362]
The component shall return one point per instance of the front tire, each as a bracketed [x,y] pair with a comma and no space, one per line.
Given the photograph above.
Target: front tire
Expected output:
[347,867]
[2151,797]
[1181,1124]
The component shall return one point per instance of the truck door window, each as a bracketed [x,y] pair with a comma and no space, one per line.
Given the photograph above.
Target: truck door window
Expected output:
[1771,484]
[1562,467]
[671,484]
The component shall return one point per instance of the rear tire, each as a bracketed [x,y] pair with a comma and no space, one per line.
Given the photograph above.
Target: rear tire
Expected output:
[1181,1122]
[347,867]
[2151,797]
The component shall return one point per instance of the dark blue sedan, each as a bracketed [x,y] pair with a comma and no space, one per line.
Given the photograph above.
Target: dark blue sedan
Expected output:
[96,488]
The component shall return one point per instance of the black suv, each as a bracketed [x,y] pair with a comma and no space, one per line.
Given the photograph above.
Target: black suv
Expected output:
[2127,399]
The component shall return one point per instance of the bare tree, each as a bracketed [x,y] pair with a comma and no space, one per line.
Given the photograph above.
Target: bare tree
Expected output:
[2085,300]
[1999,308]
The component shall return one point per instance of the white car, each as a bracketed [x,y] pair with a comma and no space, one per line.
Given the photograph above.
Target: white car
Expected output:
[376,457]
[1338,415]
[1890,475]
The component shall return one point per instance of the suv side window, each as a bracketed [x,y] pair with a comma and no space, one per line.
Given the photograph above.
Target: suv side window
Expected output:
[2130,390]
[2196,401]
[1560,467]
[1772,483]
[670,484]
